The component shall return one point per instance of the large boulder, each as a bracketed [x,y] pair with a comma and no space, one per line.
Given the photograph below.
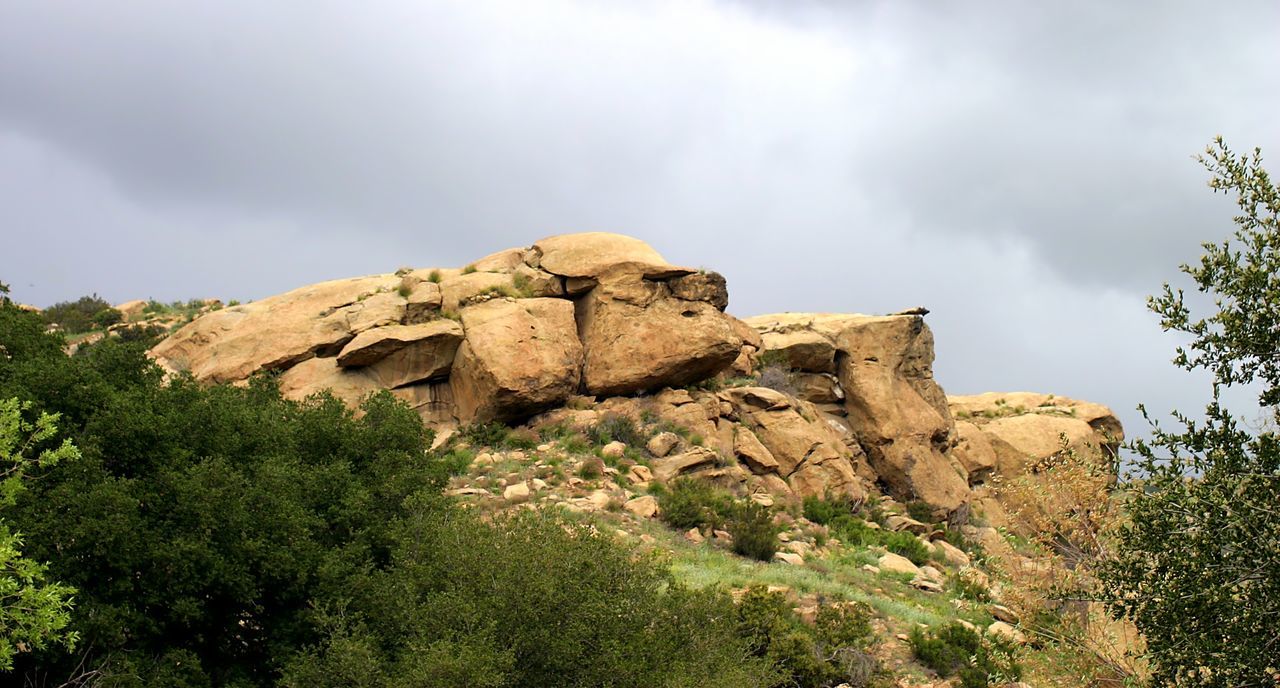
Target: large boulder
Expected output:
[594,255]
[276,333]
[399,355]
[637,336]
[898,413]
[519,356]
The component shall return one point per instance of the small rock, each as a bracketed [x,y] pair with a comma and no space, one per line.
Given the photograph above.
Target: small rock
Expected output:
[762,498]
[483,458]
[789,558]
[932,574]
[644,507]
[538,484]
[695,536]
[647,539]
[784,536]
[875,570]
[662,443]
[1001,629]
[613,450]
[896,563]
[898,523]
[967,625]
[544,448]
[922,583]
[639,474]
[516,492]
[1003,613]
[954,555]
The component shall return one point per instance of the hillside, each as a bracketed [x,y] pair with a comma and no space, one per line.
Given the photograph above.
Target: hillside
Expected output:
[585,373]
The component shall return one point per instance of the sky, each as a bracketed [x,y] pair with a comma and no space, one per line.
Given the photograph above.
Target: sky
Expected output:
[1024,170]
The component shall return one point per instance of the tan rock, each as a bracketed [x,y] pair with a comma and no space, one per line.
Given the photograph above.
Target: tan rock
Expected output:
[1003,613]
[461,290]
[594,255]
[974,452]
[952,554]
[667,469]
[518,358]
[423,303]
[1003,630]
[278,332]
[516,492]
[132,310]
[636,338]
[613,450]
[789,558]
[896,522]
[403,354]
[644,507]
[747,447]
[662,443]
[895,563]
[695,536]
[1020,441]
[502,261]
[819,388]
[706,286]
[804,350]
[639,474]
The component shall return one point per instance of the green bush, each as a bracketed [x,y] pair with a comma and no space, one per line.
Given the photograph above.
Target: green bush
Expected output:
[826,511]
[754,533]
[905,544]
[107,317]
[77,316]
[689,503]
[954,649]
[616,428]
[920,511]
[493,434]
[827,653]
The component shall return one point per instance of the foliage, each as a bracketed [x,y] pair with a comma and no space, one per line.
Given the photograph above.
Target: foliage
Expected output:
[754,533]
[616,427]
[223,535]
[689,503]
[529,600]
[33,611]
[828,652]
[827,511]
[920,511]
[492,434]
[77,316]
[954,649]
[1197,566]
[840,518]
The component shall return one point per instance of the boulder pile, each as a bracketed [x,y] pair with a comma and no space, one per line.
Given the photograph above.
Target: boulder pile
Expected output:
[577,327]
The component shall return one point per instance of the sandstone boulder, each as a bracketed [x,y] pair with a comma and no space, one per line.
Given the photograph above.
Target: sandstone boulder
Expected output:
[518,357]
[637,337]
[404,354]
[593,255]
[277,332]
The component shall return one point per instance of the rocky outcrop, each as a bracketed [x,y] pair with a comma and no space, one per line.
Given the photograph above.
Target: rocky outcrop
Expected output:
[279,332]
[884,387]
[813,404]
[598,313]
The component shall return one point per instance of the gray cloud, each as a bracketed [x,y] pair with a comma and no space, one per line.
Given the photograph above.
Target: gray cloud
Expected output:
[1025,171]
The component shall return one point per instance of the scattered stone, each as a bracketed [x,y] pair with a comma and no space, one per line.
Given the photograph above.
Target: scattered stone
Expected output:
[1003,613]
[926,585]
[662,443]
[613,450]
[516,492]
[953,555]
[789,558]
[874,570]
[1004,630]
[899,523]
[896,563]
[644,507]
[695,536]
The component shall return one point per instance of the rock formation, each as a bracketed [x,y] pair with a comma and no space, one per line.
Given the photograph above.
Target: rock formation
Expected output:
[578,327]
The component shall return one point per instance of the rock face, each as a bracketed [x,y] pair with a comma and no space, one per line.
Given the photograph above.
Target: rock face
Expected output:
[884,382]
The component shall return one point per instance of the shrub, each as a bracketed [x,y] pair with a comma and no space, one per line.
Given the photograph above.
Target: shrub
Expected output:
[615,427]
[824,654]
[469,269]
[107,317]
[77,316]
[754,533]
[689,503]
[920,511]
[954,649]
[492,434]
[826,511]
[907,545]
[434,277]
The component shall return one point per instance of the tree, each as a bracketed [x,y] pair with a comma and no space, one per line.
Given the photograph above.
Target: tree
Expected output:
[1197,567]
[33,611]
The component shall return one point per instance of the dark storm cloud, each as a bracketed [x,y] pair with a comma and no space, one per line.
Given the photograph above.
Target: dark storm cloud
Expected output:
[1023,170]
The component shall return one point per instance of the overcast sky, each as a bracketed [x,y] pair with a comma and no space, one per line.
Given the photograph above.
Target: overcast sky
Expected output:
[1025,170]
